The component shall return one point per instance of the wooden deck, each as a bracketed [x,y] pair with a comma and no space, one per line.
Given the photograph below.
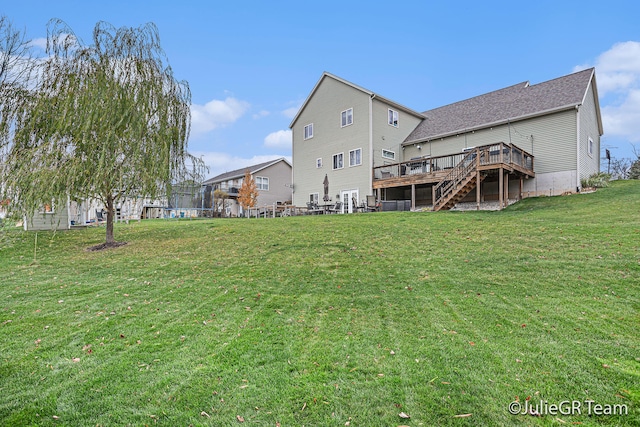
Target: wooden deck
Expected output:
[432,170]
[452,177]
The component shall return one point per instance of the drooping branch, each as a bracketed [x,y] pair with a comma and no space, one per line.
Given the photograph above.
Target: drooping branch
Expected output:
[105,121]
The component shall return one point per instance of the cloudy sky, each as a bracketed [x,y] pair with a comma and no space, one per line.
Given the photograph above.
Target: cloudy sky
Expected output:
[251,64]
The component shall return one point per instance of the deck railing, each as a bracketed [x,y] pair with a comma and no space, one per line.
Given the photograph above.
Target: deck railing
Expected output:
[458,174]
[493,154]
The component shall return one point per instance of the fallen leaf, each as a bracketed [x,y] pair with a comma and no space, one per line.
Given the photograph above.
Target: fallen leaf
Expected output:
[76,359]
[392,352]
[604,365]
[239,418]
[204,414]
[472,343]
[518,361]
[462,415]
[403,415]
[55,417]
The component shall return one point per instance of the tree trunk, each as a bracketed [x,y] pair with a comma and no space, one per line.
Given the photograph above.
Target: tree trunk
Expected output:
[110,215]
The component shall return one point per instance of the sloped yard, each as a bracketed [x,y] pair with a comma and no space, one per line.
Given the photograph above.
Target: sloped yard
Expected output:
[445,318]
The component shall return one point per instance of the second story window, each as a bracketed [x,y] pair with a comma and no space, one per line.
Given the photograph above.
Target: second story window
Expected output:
[393,118]
[319,162]
[262,183]
[347,117]
[308,131]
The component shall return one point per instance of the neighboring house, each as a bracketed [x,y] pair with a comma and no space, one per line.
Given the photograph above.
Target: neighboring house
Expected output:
[91,212]
[49,217]
[520,141]
[272,178]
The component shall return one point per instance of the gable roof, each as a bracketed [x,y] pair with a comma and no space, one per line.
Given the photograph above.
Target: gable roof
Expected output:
[361,89]
[239,173]
[512,103]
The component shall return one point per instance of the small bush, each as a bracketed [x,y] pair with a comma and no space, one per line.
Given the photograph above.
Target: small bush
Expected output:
[597,180]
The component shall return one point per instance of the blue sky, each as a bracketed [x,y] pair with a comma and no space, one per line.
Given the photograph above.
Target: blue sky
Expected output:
[251,64]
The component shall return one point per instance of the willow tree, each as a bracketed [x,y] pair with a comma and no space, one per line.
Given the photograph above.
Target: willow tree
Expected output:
[105,121]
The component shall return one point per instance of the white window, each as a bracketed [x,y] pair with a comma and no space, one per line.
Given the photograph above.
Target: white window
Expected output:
[347,117]
[590,146]
[338,161]
[355,157]
[314,197]
[262,183]
[308,131]
[393,118]
[388,154]
[319,162]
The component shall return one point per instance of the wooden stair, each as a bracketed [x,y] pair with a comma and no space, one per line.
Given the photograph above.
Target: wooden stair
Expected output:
[458,193]
[458,183]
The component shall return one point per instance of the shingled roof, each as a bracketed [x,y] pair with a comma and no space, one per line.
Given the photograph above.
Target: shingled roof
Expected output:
[239,173]
[512,103]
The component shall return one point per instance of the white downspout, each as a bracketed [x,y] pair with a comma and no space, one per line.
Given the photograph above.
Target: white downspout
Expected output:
[370,191]
[578,148]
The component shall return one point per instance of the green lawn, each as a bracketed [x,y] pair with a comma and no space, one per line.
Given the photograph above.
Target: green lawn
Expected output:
[329,320]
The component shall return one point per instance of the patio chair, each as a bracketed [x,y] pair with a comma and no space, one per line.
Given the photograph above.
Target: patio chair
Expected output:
[313,208]
[337,208]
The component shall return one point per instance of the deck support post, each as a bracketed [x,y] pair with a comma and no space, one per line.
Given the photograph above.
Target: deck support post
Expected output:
[433,194]
[413,196]
[501,188]
[506,189]
[520,189]
[477,190]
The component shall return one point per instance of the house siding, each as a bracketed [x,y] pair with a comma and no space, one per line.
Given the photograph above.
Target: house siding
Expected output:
[551,140]
[389,137]
[589,163]
[58,220]
[279,176]
[329,100]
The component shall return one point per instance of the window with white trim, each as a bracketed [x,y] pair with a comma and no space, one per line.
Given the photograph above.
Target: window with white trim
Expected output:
[308,131]
[319,162]
[314,197]
[388,154]
[346,117]
[393,118]
[355,157]
[338,161]
[262,183]
[590,146]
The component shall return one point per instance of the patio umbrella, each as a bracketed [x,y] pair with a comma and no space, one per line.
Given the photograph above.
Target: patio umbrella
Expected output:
[326,188]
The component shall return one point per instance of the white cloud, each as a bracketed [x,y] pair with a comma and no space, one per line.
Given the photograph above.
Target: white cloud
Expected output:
[219,162]
[291,112]
[261,114]
[216,113]
[40,43]
[279,139]
[618,77]
[618,68]
[622,120]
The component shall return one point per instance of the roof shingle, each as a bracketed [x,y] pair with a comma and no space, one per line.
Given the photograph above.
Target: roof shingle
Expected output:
[511,103]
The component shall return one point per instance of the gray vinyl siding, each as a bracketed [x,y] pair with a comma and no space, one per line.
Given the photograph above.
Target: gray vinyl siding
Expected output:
[550,138]
[589,163]
[58,220]
[389,137]
[279,176]
[323,110]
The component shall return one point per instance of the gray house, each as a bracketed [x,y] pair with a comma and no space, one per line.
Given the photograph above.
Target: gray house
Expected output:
[272,178]
[520,141]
